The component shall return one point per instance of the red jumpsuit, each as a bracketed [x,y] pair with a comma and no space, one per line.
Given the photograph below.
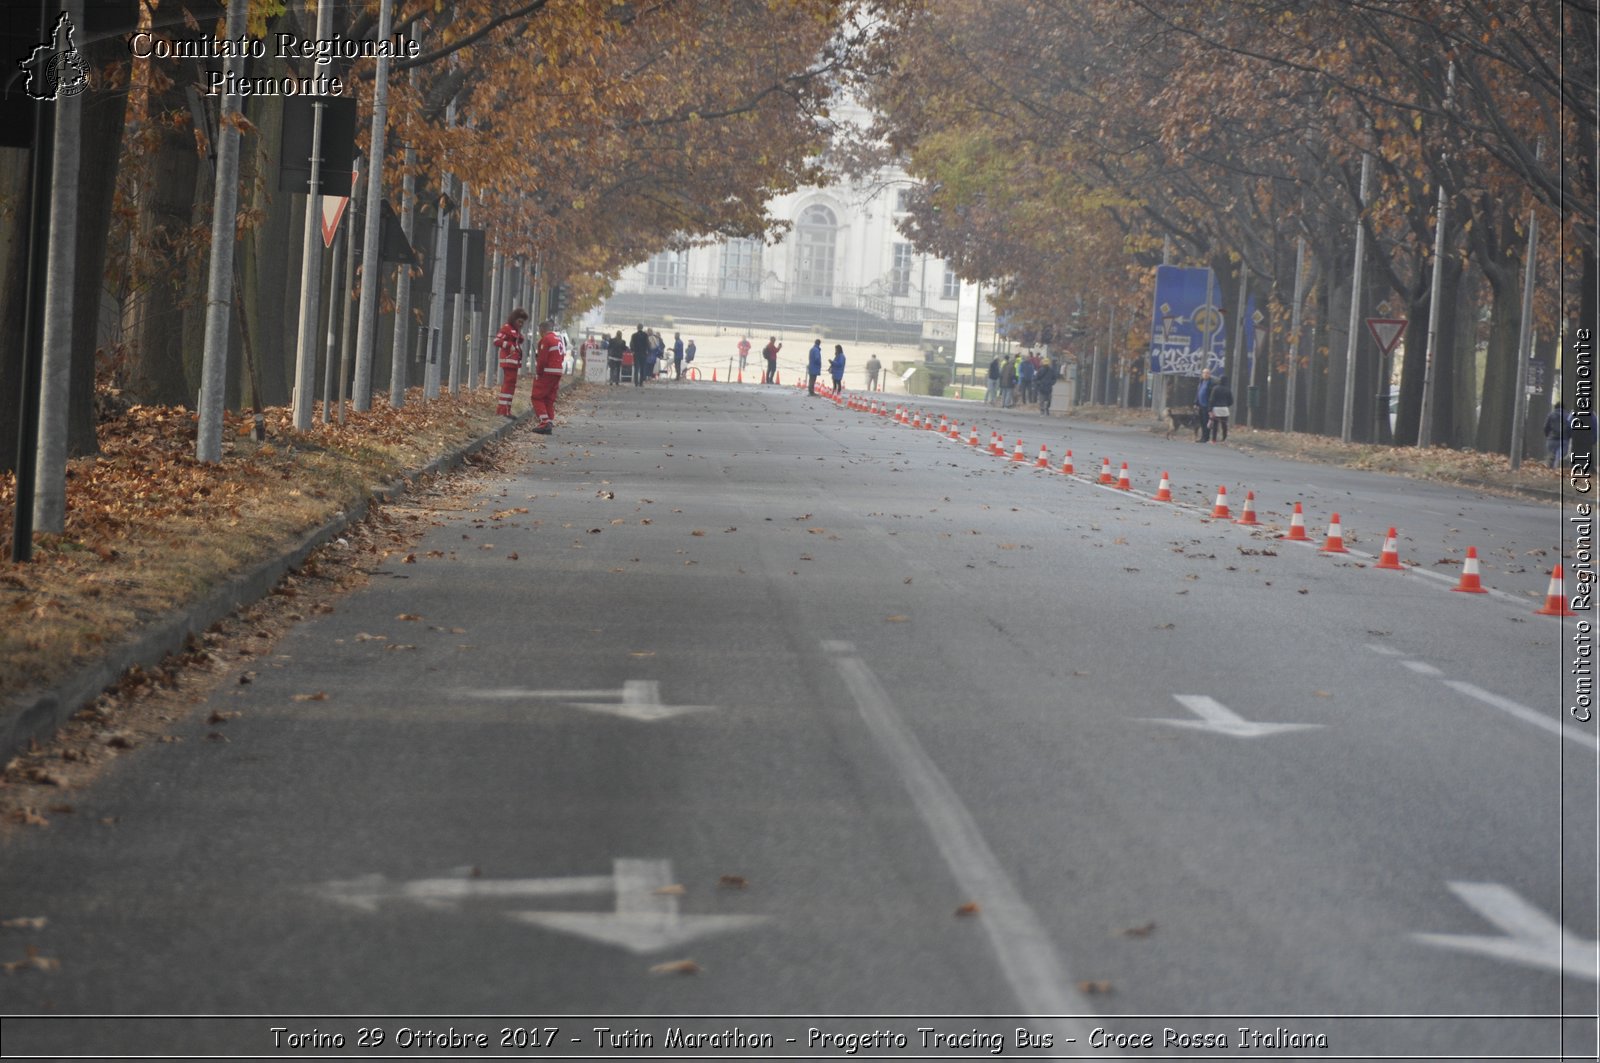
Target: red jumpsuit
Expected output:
[509,341]
[547,366]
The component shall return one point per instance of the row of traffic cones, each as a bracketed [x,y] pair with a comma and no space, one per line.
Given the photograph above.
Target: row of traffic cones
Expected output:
[1471,581]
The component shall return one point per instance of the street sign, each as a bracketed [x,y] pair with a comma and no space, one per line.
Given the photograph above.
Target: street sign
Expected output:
[1387,331]
[1187,331]
[333,208]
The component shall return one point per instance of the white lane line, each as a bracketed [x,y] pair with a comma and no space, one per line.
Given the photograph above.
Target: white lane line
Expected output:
[1422,667]
[1525,714]
[1019,939]
[1384,651]
[1218,718]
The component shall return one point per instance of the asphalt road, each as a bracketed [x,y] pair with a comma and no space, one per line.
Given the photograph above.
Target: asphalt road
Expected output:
[854,724]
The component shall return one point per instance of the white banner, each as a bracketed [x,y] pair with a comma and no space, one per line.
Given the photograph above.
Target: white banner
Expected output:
[968,302]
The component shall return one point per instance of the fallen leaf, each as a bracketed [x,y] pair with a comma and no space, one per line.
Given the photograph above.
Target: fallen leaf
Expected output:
[408,616]
[698,532]
[218,716]
[1091,988]
[1137,931]
[896,619]
[25,922]
[1321,694]
[676,967]
[642,653]
[318,696]
[970,908]
[33,960]
[511,557]
[216,736]
[674,890]
[732,882]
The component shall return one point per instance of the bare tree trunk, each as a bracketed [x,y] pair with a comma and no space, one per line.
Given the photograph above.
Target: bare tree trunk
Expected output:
[14,164]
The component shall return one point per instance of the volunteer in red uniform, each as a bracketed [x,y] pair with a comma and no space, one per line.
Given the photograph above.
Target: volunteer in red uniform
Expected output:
[509,342]
[547,369]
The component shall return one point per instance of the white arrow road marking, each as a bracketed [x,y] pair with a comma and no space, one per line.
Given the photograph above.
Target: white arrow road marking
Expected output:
[1530,938]
[369,891]
[639,699]
[1218,718]
[645,920]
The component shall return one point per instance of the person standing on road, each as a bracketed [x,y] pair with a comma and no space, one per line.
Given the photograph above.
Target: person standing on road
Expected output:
[1045,384]
[615,347]
[1008,383]
[688,352]
[1025,374]
[770,353]
[508,341]
[1221,408]
[1202,405]
[836,368]
[813,366]
[677,356]
[640,343]
[1557,434]
[874,367]
[548,368]
[744,352]
[658,352]
[992,391]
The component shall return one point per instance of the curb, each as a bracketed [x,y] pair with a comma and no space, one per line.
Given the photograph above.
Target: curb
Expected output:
[40,712]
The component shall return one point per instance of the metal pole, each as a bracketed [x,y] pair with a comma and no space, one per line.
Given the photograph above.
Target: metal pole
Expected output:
[1353,339]
[1425,429]
[399,366]
[333,321]
[1294,332]
[1519,414]
[371,267]
[219,281]
[345,351]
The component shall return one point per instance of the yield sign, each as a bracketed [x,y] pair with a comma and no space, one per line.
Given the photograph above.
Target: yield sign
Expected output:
[332,211]
[1387,331]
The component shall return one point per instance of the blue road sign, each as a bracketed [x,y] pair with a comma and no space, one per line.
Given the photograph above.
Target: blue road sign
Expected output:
[1187,332]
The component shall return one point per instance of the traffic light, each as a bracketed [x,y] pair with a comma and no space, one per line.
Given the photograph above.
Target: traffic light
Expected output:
[558,299]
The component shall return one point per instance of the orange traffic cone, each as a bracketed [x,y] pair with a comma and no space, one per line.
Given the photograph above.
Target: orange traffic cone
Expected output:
[1470,582]
[1249,514]
[1044,457]
[1555,601]
[955,431]
[944,424]
[1335,541]
[997,445]
[1016,454]
[972,440]
[1297,526]
[1122,479]
[1390,558]
[1066,465]
[1221,508]
[1164,492]
[1105,470]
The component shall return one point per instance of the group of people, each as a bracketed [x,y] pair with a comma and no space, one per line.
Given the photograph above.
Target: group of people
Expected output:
[814,366]
[1213,403]
[645,354]
[1027,377]
[548,367]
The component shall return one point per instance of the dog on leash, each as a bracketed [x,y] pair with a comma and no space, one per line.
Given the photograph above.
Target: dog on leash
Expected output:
[1184,417]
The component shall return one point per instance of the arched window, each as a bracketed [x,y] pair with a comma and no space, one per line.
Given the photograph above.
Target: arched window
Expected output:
[816,231]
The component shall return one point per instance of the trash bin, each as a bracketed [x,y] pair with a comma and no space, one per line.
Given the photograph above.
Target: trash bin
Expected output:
[1254,399]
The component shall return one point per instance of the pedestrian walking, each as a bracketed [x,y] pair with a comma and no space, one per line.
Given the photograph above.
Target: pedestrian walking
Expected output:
[992,391]
[1221,408]
[639,343]
[836,367]
[509,343]
[744,352]
[813,366]
[548,368]
[616,347]
[1045,384]
[1557,434]
[770,353]
[874,367]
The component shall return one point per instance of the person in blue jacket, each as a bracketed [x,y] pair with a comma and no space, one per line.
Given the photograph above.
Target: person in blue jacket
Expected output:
[1202,405]
[836,367]
[813,366]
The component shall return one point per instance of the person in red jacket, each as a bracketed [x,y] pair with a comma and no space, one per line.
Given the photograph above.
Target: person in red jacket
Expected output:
[547,370]
[509,343]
